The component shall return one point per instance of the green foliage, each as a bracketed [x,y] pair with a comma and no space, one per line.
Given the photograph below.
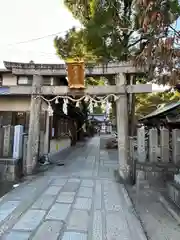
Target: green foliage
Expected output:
[98,109]
[72,46]
[103,33]
[147,103]
[101,38]
[99,81]
[119,30]
[79,8]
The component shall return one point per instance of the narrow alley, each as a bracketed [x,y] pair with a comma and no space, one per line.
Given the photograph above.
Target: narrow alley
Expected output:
[78,201]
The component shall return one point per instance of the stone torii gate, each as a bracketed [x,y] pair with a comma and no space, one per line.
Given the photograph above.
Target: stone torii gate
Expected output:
[121,89]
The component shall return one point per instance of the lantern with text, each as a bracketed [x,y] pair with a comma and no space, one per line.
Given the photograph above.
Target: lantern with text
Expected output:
[76,75]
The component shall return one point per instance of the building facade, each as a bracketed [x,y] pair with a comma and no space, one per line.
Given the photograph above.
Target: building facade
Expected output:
[57,132]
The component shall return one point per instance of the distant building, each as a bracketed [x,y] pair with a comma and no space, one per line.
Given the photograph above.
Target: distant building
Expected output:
[101,121]
[165,115]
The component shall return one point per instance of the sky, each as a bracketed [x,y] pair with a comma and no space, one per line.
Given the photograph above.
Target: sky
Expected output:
[22,20]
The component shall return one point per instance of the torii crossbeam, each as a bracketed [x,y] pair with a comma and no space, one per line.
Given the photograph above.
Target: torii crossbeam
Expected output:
[121,88]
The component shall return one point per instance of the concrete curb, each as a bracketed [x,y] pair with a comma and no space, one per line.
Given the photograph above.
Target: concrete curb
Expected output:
[129,202]
[140,229]
[171,208]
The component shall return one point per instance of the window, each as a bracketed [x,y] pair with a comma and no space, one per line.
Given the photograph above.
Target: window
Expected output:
[25,80]
[5,118]
[62,127]
[47,81]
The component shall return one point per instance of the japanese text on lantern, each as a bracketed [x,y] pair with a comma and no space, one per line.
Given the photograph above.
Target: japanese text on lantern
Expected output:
[76,75]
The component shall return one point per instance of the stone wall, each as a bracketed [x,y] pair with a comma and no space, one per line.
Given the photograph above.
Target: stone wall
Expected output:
[17,104]
[155,145]
[57,145]
[10,169]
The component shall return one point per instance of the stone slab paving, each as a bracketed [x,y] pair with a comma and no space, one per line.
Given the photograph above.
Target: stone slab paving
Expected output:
[30,220]
[157,221]
[7,208]
[78,201]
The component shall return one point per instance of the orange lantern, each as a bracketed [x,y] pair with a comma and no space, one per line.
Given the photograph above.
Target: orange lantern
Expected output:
[76,74]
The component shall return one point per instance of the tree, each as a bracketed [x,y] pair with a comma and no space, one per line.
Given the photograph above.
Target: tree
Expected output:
[138,30]
[159,48]
[147,103]
[121,30]
[132,29]
[103,22]
[72,46]
[101,39]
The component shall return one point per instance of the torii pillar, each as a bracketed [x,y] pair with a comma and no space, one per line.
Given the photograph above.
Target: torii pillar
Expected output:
[122,129]
[34,125]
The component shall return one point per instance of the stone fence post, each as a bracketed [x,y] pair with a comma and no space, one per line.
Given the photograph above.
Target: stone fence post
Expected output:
[175,145]
[164,144]
[141,144]
[153,144]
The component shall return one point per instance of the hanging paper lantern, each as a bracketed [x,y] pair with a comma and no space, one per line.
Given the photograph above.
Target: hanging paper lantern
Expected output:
[76,74]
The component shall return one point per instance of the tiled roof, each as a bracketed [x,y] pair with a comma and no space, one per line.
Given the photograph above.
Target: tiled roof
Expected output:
[162,109]
[3,70]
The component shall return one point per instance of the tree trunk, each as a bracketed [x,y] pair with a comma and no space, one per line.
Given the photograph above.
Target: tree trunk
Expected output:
[73,134]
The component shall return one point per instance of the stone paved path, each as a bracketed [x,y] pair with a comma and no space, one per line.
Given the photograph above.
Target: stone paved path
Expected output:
[80,201]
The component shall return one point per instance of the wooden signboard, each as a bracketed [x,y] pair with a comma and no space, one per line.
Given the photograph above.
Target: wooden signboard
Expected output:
[76,75]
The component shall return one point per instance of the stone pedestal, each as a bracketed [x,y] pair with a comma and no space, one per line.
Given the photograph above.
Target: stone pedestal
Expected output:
[11,169]
[174,189]
[174,192]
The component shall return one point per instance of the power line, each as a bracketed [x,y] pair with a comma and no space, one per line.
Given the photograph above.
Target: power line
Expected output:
[39,38]
[33,51]
[36,39]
